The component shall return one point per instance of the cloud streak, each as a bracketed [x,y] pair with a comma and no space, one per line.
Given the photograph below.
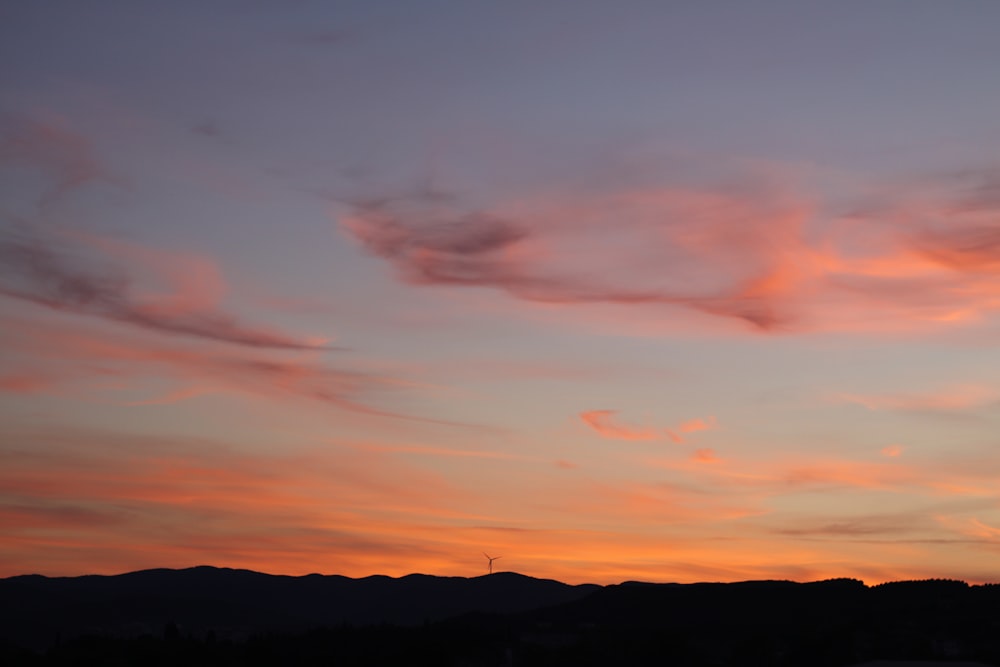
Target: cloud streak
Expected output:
[431,240]
[761,254]
[61,275]
[956,399]
[82,360]
[48,144]
[162,502]
[604,424]
[690,426]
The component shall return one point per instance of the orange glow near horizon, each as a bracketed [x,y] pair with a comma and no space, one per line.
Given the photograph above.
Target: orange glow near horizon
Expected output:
[353,510]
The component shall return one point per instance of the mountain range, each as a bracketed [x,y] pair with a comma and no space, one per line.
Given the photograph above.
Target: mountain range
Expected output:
[488,620]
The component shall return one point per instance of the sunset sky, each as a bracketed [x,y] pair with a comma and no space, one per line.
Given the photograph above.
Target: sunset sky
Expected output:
[669,291]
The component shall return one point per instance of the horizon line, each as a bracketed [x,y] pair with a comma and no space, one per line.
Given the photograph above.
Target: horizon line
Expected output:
[507,572]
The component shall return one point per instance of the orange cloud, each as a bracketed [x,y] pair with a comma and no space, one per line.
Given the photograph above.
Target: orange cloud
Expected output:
[106,503]
[84,357]
[705,456]
[24,383]
[603,423]
[954,399]
[200,500]
[985,531]
[756,252]
[536,254]
[694,425]
[59,273]
[690,426]
[970,527]
[892,451]
[422,450]
[764,478]
[193,283]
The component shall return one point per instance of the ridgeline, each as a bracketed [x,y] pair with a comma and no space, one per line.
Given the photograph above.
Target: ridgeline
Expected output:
[213,616]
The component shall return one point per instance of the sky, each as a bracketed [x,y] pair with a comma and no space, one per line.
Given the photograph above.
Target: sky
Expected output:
[663,291]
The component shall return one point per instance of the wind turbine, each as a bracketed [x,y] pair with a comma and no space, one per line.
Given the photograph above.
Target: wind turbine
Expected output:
[491,559]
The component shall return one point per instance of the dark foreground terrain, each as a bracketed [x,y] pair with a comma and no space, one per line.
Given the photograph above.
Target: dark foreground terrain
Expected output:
[209,616]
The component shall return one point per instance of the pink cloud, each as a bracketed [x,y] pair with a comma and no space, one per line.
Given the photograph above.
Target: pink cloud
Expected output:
[424,450]
[127,502]
[705,456]
[180,283]
[760,254]
[63,273]
[953,399]
[694,425]
[971,527]
[783,477]
[84,358]
[24,383]
[113,502]
[639,248]
[603,423]
[690,426]
[48,143]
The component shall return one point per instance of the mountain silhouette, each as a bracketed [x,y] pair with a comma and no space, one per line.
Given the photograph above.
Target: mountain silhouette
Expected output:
[208,615]
[236,603]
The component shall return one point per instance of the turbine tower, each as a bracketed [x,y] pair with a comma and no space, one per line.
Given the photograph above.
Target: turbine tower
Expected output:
[491,559]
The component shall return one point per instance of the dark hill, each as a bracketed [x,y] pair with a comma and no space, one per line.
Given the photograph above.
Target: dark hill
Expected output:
[35,610]
[208,615]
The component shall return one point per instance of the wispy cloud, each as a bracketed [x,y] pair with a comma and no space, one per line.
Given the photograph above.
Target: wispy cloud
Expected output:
[970,527]
[604,424]
[82,358]
[81,277]
[959,398]
[49,144]
[953,476]
[24,383]
[76,494]
[761,254]
[920,525]
[690,426]
[628,238]
[96,494]
[705,456]
[865,527]
[424,450]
